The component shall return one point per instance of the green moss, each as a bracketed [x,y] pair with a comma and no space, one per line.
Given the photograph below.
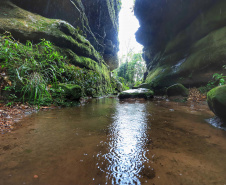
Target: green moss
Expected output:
[27,26]
[207,51]
[72,91]
[213,19]
[153,74]
[217,101]
[156,75]
[67,41]
[177,90]
[88,63]
[111,10]
[195,47]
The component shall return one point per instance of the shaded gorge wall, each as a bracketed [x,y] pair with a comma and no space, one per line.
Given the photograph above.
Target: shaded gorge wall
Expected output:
[184,41]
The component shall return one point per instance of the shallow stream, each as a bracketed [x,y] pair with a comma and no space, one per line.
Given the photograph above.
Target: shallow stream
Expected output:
[107,141]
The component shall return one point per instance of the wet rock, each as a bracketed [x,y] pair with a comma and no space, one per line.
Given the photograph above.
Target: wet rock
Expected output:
[216,99]
[177,90]
[137,93]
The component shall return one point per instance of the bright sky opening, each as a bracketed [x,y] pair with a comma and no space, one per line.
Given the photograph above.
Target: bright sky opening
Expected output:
[128,25]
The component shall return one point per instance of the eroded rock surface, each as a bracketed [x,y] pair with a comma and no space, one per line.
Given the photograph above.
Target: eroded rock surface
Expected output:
[96,20]
[68,25]
[184,41]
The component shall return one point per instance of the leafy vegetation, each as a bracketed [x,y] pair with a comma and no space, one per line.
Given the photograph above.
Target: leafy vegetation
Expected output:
[33,73]
[218,80]
[130,73]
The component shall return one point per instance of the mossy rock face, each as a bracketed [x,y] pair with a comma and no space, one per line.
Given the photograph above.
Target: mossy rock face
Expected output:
[103,21]
[137,93]
[177,90]
[25,26]
[216,99]
[192,50]
[73,92]
[96,20]
[67,40]
[111,61]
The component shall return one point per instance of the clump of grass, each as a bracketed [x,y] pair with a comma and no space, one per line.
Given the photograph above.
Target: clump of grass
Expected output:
[35,70]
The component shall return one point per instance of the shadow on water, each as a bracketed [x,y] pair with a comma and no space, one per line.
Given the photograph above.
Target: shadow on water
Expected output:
[126,143]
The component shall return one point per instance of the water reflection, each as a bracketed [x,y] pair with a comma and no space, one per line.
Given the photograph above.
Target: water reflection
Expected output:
[216,122]
[126,144]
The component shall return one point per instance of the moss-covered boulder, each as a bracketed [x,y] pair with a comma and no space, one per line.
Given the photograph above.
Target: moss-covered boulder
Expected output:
[177,90]
[71,91]
[216,99]
[137,93]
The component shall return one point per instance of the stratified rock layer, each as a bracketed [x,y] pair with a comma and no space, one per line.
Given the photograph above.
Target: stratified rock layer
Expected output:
[184,41]
[96,20]
[70,41]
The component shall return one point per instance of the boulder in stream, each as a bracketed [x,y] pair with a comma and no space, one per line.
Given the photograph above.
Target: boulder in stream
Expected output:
[177,90]
[137,93]
[216,99]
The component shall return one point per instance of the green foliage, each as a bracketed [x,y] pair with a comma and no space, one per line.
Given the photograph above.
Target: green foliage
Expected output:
[119,5]
[132,70]
[124,86]
[218,80]
[138,83]
[35,71]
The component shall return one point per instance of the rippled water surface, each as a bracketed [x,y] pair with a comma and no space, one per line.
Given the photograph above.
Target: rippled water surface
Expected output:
[126,144]
[112,142]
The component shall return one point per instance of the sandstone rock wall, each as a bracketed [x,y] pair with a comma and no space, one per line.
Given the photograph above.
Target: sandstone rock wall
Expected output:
[184,41]
[96,20]
[34,20]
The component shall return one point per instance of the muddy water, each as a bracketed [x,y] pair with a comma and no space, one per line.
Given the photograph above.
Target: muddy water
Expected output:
[112,142]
